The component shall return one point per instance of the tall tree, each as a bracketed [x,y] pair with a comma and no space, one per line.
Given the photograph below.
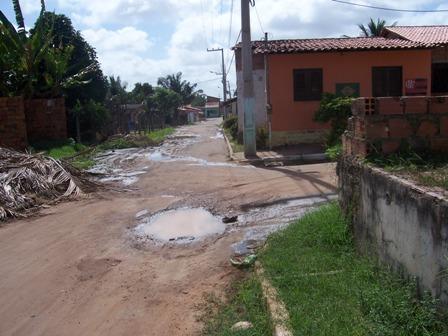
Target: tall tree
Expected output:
[174,82]
[373,28]
[83,55]
[167,102]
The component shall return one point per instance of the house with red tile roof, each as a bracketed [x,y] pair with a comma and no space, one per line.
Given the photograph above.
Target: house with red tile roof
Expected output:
[290,76]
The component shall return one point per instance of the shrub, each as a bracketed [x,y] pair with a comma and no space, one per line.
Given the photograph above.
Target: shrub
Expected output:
[262,138]
[231,125]
[336,110]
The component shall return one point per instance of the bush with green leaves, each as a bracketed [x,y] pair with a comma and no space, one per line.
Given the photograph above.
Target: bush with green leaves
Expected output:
[335,110]
[231,126]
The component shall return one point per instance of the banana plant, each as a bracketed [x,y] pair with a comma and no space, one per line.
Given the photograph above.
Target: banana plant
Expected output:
[29,64]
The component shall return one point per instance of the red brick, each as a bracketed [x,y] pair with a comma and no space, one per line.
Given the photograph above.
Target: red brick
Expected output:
[377,130]
[439,145]
[400,128]
[390,146]
[388,106]
[438,105]
[427,129]
[415,105]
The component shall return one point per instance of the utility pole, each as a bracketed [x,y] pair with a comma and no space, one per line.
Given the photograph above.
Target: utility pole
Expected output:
[224,76]
[250,147]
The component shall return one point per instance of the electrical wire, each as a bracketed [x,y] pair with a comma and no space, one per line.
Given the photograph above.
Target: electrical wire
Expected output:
[258,17]
[230,25]
[233,54]
[391,9]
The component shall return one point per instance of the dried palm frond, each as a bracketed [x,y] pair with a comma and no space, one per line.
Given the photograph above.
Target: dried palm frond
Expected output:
[28,180]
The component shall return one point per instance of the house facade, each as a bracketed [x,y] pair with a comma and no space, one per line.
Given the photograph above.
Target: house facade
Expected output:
[290,76]
[212,107]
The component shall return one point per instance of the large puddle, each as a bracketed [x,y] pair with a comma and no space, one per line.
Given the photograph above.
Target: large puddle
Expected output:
[180,225]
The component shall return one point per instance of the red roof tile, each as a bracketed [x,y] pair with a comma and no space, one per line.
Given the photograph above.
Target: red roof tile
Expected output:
[424,34]
[332,44]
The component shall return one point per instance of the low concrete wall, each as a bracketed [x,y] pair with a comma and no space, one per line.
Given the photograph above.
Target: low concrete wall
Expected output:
[12,123]
[403,225]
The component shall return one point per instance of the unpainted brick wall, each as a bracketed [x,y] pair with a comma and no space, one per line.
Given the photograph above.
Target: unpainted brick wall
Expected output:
[384,125]
[12,123]
[46,119]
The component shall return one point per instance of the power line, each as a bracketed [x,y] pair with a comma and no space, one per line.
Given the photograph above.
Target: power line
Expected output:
[208,80]
[258,17]
[231,22]
[391,9]
[233,54]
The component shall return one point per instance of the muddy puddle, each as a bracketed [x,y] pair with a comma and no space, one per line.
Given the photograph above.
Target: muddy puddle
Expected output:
[183,225]
[261,220]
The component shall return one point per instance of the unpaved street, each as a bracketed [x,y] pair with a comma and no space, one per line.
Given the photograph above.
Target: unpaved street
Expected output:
[80,268]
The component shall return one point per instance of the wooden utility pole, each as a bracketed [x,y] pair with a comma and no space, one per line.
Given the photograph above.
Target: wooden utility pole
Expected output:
[250,147]
[224,76]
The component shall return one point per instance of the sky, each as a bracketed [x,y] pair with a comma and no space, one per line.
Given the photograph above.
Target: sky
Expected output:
[141,40]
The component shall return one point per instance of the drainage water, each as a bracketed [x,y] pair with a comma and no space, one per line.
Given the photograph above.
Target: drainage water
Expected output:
[181,225]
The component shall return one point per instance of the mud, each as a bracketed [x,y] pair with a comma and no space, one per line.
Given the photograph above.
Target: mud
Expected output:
[180,225]
[75,269]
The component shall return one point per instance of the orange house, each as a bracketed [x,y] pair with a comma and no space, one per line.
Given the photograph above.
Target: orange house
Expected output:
[290,76]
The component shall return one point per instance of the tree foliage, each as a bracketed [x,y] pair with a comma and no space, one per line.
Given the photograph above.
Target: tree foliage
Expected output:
[373,28]
[336,110]
[31,64]
[174,82]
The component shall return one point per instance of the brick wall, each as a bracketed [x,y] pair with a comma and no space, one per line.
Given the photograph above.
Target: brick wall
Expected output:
[12,123]
[46,119]
[384,125]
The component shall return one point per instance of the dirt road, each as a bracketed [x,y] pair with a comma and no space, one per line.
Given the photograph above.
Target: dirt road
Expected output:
[78,268]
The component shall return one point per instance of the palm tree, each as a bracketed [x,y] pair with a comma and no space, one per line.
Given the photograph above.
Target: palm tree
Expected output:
[373,28]
[184,88]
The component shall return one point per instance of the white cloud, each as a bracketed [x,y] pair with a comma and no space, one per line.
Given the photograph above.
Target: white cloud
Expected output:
[30,6]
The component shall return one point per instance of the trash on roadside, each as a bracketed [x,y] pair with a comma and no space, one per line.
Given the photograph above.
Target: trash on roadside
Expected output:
[228,220]
[28,180]
[240,326]
[243,262]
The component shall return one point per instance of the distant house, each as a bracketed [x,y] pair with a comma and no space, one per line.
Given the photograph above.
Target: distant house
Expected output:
[290,76]
[212,107]
[188,114]
[230,107]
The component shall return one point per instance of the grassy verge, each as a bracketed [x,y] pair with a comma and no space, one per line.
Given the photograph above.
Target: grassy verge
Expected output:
[65,149]
[244,303]
[81,158]
[236,147]
[426,169]
[329,290]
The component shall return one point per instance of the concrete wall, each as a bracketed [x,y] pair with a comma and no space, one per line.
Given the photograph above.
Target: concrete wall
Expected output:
[12,123]
[400,223]
[260,99]
[46,119]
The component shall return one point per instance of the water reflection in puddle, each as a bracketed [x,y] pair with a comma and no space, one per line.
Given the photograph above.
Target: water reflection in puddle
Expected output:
[181,225]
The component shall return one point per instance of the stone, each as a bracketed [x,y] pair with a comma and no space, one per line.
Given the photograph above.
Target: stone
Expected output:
[244,325]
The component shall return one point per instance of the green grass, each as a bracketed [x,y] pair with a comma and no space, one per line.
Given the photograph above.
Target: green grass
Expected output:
[426,169]
[360,298]
[236,146]
[137,140]
[160,135]
[244,303]
[66,149]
